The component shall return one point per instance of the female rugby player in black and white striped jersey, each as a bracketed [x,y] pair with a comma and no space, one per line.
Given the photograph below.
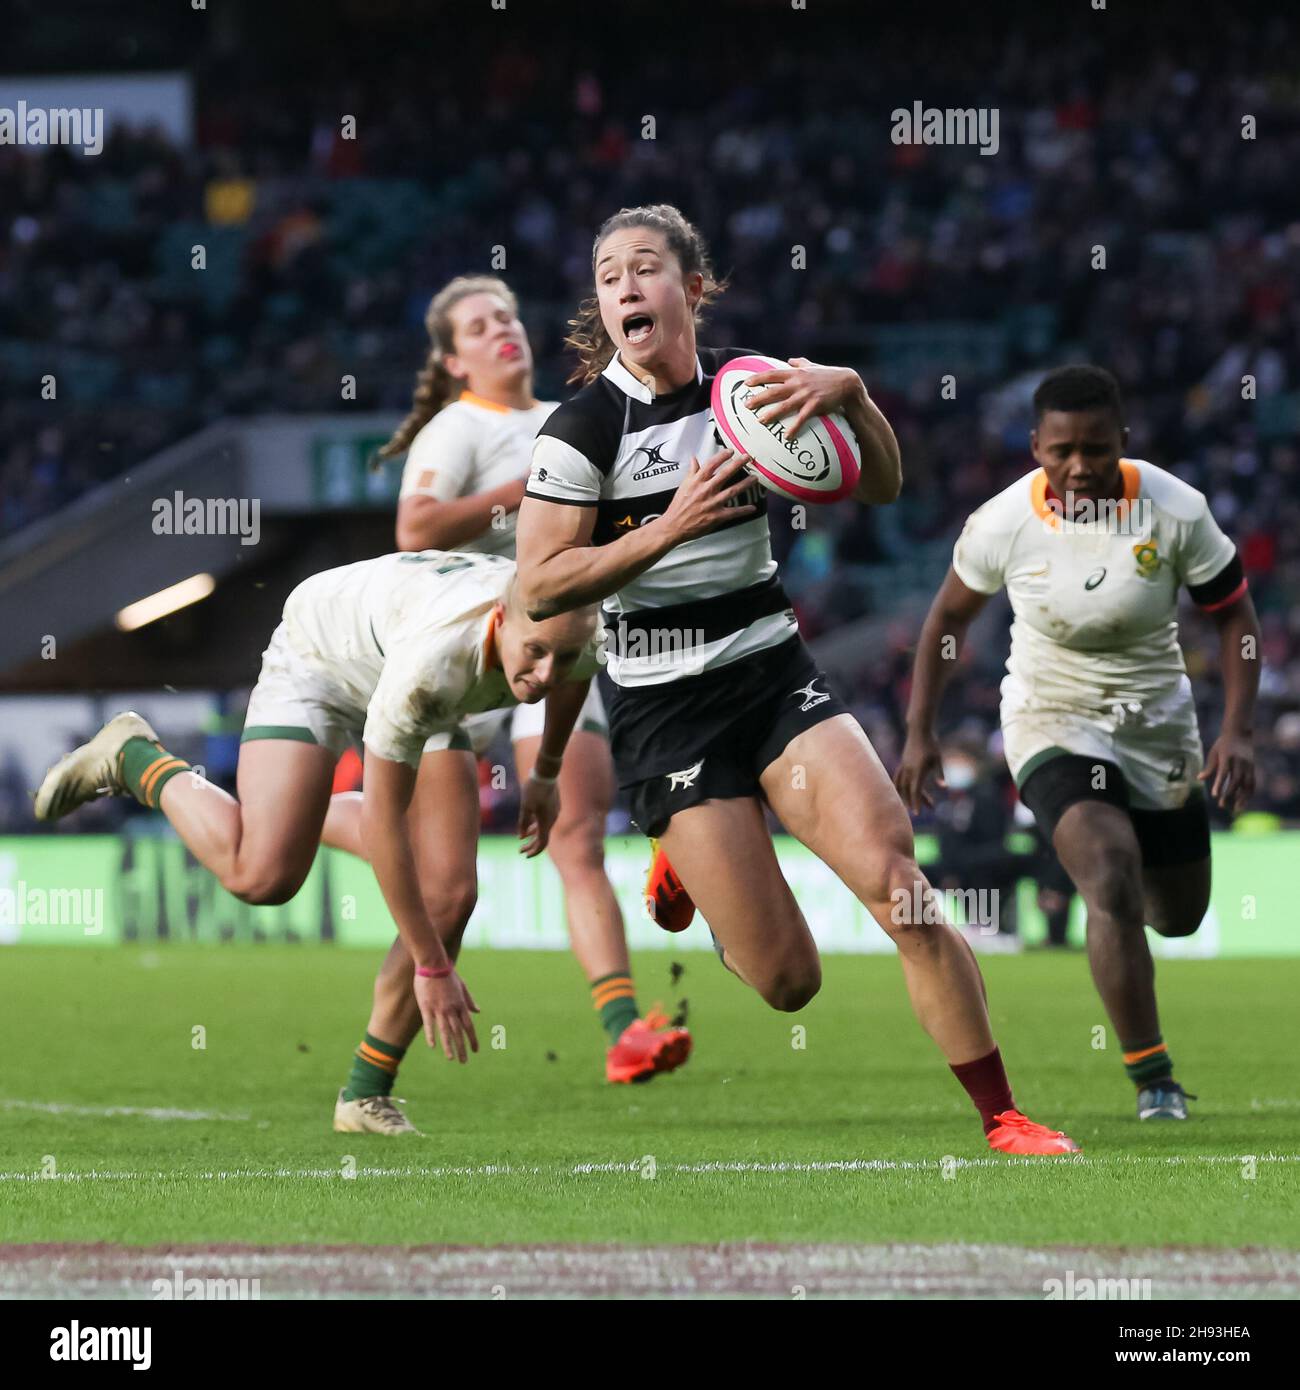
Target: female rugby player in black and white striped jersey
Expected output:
[718,706]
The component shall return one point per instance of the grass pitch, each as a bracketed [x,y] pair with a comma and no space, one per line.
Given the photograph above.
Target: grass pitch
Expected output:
[118,1127]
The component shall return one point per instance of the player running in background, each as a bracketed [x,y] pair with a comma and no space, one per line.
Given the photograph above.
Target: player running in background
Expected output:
[1098,720]
[468,440]
[729,710]
[396,651]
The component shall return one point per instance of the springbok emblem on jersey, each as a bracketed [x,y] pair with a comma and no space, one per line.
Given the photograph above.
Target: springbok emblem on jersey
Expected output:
[680,781]
[1147,557]
[811,697]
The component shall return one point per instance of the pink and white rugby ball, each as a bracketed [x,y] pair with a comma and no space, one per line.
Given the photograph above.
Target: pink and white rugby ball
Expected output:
[821,464]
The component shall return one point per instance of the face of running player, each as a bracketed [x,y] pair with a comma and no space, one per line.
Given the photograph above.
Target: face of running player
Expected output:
[646,303]
[491,346]
[1080,450]
[536,657]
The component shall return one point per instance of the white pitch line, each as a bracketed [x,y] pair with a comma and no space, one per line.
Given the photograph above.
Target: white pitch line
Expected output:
[148,1112]
[492,1170]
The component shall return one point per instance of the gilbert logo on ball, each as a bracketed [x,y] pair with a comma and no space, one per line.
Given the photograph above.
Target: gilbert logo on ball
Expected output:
[820,465]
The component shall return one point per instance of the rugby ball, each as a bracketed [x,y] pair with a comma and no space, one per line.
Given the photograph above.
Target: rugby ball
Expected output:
[821,464]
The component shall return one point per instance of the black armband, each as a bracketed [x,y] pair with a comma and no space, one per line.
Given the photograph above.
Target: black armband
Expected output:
[1226,587]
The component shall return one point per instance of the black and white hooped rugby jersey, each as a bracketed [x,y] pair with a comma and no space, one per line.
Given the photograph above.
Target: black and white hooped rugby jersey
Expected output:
[618,447]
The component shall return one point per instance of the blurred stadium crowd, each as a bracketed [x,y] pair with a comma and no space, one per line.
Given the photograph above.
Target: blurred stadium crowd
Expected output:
[922,262]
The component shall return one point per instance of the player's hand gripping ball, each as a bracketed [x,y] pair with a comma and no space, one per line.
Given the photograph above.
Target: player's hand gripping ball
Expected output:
[821,464]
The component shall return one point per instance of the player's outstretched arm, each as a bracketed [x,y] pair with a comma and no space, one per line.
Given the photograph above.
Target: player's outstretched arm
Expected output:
[942,635]
[1230,763]
[560,569]
[445,1003]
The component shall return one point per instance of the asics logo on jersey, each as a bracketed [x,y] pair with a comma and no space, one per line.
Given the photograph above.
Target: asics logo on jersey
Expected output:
[811,697]
[680,781]
[655,462]
[1094,579]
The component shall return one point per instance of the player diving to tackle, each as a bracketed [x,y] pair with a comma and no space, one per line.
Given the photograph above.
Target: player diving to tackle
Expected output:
[736,713]
[1098,722]
[395,651]
[468,439]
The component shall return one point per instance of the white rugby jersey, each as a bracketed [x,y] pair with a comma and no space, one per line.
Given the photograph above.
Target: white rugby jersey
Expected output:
[471,446]
[621,449]
[402,644]
[1095,601]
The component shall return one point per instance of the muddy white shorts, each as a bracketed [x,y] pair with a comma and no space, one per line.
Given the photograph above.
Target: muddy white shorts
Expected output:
[1157,748]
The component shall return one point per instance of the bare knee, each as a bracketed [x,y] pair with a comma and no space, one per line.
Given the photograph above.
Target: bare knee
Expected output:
[450,908]
[1115,889]
[900,898]
[267,887]
[792,986]
[578,847]
[1183,922]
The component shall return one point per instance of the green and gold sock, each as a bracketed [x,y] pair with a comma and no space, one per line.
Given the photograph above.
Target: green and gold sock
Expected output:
[615,1001]
[145,768]
[374,1068]
[1147,1062]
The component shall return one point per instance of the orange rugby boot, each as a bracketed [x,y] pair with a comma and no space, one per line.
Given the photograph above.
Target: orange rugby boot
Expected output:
[646,1046]
[1017,1134]
[667,902]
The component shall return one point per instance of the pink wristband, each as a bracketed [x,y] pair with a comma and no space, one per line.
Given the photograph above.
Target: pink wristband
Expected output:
[440,974]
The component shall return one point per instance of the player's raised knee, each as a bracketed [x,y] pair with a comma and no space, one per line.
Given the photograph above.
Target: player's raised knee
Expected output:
[1177,924]
[789,989]
[269,887]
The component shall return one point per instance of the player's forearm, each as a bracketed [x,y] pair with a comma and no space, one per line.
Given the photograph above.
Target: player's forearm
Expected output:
[386,840]
[563,706]
[428,524]
[882,465]
[583,574]
[937,650]
[388,847]
[1239,657]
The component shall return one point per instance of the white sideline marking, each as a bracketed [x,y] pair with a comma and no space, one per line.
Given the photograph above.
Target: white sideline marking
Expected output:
[149,1112]
[492,1170]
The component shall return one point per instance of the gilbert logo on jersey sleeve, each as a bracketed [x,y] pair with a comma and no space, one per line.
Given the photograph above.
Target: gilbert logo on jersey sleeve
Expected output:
[812,697]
